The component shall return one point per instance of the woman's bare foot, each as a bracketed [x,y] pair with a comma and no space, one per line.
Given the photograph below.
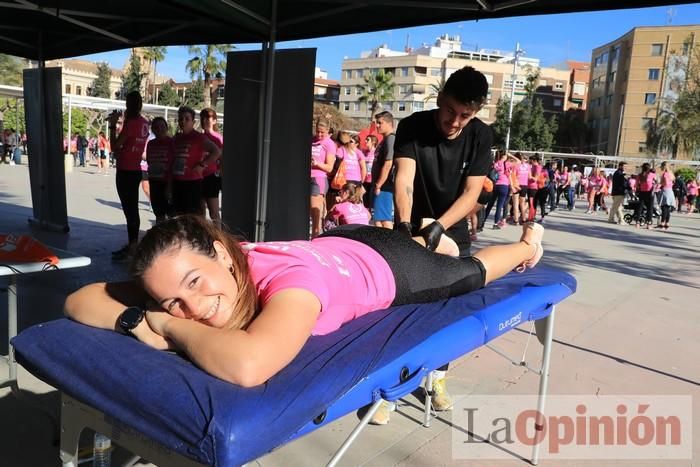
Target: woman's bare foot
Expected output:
[447,246]
[532,235]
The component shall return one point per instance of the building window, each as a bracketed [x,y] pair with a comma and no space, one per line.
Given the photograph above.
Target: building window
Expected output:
[611,79]
[221,92]
[404,71]
[646,123]
[347,74]
[579,88]
[435,72]
[404,88]
[358,73]
[79,90]
[346,106]
[489,78]
[420,70]
[356,106]
[388,106]
[68,89]
[653,74]
[615,54]
[642,146]
[417,106]
[657,50]
[650,98]
[358,91]
[557,102]
[559,86]
[686,48]
[346,91]
[402,106]
[609,99]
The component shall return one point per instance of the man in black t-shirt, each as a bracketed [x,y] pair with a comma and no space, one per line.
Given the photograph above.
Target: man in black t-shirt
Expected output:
[441,158]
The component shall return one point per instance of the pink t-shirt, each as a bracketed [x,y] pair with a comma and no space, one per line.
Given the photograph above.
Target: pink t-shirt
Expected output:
[218,139]
[349,278]
[137,131]
[693,188]
[350,213]
[503,168]
[595,183]
[646,182]
[189,151]
[159,154]
[523,172]
[369,160]
[319,150]
[535,172]
[352,159]
[667,180]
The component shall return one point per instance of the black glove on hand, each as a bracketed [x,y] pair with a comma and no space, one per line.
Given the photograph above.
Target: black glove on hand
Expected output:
[432,233]
[405,228]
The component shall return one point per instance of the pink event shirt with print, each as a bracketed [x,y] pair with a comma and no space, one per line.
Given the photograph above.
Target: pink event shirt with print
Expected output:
[319,150]
[189,150]
[349,278]
[350,213]
[646,182]
[159,155]
[218,139]
[503,168]
[137,131]
[523,172]
[369,160]
[667,180]
[535,172]
[353,172]
[692,188]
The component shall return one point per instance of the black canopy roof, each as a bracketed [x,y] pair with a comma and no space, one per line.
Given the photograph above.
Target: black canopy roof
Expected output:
[48,29]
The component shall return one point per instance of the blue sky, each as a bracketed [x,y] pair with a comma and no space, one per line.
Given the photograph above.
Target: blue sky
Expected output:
[551,38]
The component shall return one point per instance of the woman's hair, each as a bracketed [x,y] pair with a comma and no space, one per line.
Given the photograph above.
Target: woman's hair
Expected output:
[664,166]
[160,119]
[134,103]
[198,234]
[343,138]
[374,139]
[354,195]
[212,115]
[645,168]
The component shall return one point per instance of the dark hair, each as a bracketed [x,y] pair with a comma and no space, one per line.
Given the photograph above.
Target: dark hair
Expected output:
[645,168]
[159,119]
[185,109]
[386,116]
[354,195]
[374,139]
[212,113]
[134,104]
[467,86]
[620,164]
[197,233]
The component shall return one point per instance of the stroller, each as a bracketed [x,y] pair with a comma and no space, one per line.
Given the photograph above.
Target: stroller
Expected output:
[632,204]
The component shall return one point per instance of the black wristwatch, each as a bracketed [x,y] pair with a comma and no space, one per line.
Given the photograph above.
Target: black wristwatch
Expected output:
[130,318]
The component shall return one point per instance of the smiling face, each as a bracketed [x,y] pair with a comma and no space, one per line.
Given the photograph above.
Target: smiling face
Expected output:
[191,285]
[453,116]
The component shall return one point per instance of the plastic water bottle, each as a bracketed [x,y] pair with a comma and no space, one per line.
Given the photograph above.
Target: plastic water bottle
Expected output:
[102,456]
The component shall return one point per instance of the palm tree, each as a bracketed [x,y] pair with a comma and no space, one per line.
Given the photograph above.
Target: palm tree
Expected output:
[154,55]
[435,89]
[378,88]
[206,63]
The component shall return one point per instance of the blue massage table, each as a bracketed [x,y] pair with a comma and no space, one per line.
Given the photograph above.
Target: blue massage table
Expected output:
[158,405]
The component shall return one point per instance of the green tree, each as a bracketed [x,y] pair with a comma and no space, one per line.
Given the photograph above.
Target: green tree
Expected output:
[435,89]
[100,85]
[11,70]
[13,114]
[132,79]
[195,95]
[571,131]
[530,128]
[79,121]
[378,88]
[207,62]
[154,55]
[167,96]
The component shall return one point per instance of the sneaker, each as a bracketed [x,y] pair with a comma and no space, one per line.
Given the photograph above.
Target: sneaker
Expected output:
[383,413]
[496,227]
[588,211]
[441,399]
[501,223]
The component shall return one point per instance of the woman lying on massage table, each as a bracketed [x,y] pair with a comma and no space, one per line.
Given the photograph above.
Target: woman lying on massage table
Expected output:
[243,311]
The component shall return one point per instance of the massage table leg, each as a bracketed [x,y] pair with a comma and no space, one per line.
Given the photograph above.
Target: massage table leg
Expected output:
[355,433]
[545,332]
[428,398]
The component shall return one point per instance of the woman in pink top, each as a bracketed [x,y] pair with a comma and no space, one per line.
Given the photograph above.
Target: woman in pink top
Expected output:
[522,173]
[194,153]
[349,151]
[211,183]
[668,199]
[159,155]
[129,148]
[322,160]
[692,187]
[646,180]
[242,312]
[370,147]
[349,208]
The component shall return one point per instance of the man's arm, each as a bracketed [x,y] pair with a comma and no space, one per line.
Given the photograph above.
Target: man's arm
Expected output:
[464,204]
[403,187]
[383,175]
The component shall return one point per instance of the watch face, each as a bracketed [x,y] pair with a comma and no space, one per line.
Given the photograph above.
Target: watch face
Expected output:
[131,317]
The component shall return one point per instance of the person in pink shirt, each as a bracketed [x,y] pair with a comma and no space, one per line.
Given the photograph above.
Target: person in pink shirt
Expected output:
[129,148]
[211,183]
[322,161]
[692,187]
[595,184]
[194,153]
[646,180]
[349,208]
[668,199]
[159,155]
[501,190]
[242,311]
[371,142]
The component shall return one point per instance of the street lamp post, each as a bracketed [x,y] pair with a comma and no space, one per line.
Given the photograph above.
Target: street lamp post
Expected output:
[518,53]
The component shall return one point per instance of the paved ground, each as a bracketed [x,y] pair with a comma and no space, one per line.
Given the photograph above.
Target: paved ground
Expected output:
[632,328]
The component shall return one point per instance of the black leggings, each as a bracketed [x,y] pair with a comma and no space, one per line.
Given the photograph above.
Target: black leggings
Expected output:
[645,201]
[665,214]
[421,276]
[128,183]
[541,200]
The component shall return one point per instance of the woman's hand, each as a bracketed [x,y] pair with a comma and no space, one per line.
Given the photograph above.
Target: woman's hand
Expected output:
[158,321]
[146,334]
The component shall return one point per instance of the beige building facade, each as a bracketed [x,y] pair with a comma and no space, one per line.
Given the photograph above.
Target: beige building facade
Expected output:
[78,75]
[633,79]
[417,75]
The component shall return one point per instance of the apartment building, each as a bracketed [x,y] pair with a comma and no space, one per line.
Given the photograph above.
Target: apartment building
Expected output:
[326,91]
[633,79]
[78,75]
[418,73]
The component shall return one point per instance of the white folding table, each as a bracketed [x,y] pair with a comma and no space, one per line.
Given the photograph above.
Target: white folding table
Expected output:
[67,260]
